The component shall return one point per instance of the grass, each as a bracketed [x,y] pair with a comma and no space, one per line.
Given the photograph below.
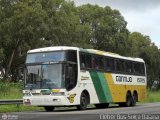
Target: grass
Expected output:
[20,108]
[14,91]
[152,96]
[11,90]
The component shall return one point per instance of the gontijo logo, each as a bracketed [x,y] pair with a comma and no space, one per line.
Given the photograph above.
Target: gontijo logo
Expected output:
[71,98]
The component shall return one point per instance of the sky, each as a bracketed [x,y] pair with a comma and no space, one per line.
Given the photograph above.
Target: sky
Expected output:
[141,15]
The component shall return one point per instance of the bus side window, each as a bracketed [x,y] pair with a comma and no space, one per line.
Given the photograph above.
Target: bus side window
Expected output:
[117,65]
[112,64]
[142,69]
[128,67]
[107,64]
[136,68]
[88,61]
[122,67]
[101,63]
[82,60]
[93,62]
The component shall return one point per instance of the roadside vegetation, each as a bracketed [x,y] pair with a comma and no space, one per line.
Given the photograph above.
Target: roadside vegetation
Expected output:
[13,91]
[20,108]
[152,96]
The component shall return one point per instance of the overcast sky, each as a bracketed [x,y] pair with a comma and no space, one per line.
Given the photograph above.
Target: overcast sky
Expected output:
[141,15]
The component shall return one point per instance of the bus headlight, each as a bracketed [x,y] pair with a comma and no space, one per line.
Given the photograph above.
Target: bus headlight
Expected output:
[27,101]
[58,93]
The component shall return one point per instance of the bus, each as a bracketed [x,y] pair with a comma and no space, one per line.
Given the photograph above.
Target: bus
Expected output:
[72,76]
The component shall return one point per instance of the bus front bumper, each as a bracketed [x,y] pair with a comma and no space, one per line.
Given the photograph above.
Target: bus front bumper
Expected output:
[46,101]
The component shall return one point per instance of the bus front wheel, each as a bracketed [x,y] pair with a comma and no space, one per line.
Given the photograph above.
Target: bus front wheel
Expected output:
[49,108]
[83,102]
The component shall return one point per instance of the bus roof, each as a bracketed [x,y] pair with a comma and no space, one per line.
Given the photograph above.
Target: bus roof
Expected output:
[92,51]
[54,48]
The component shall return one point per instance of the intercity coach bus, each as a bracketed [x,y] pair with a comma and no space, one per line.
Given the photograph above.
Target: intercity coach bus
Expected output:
[71,76]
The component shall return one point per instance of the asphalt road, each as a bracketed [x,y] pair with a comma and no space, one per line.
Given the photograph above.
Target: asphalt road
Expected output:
[139,112]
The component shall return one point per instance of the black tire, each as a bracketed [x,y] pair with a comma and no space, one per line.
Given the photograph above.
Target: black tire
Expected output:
[83,102]
[128,102]
[49,108]
[102,105]
[134,99]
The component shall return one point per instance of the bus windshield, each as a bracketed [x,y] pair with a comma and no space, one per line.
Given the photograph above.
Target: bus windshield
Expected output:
[50,76]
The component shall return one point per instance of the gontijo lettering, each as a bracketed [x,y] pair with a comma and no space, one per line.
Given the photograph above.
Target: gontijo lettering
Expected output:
[123,79]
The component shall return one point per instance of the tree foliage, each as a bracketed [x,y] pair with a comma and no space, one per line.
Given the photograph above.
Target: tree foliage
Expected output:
[29,24]
[141,46]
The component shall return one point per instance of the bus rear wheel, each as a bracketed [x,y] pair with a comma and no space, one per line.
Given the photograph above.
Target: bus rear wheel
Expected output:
[102,105]
[83,102]
[49,108]
[128,99]
[134,99]
[128,102]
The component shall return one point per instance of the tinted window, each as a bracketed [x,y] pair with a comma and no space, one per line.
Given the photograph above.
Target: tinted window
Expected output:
[122,65]
[109,64]
[136,68]
[100,63]
[85,60]
[88,61]
[117,65]
[142,69]
[94,62]
[72,56]
[82,60]
[139,68]
[97,62]
[128,67]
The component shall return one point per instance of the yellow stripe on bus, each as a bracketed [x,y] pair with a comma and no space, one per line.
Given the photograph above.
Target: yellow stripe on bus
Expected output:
[118,92]
[100,52]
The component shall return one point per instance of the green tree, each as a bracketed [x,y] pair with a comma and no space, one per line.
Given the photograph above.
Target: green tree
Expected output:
[21,24]
[141,46]
[64,24]
[108,28]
